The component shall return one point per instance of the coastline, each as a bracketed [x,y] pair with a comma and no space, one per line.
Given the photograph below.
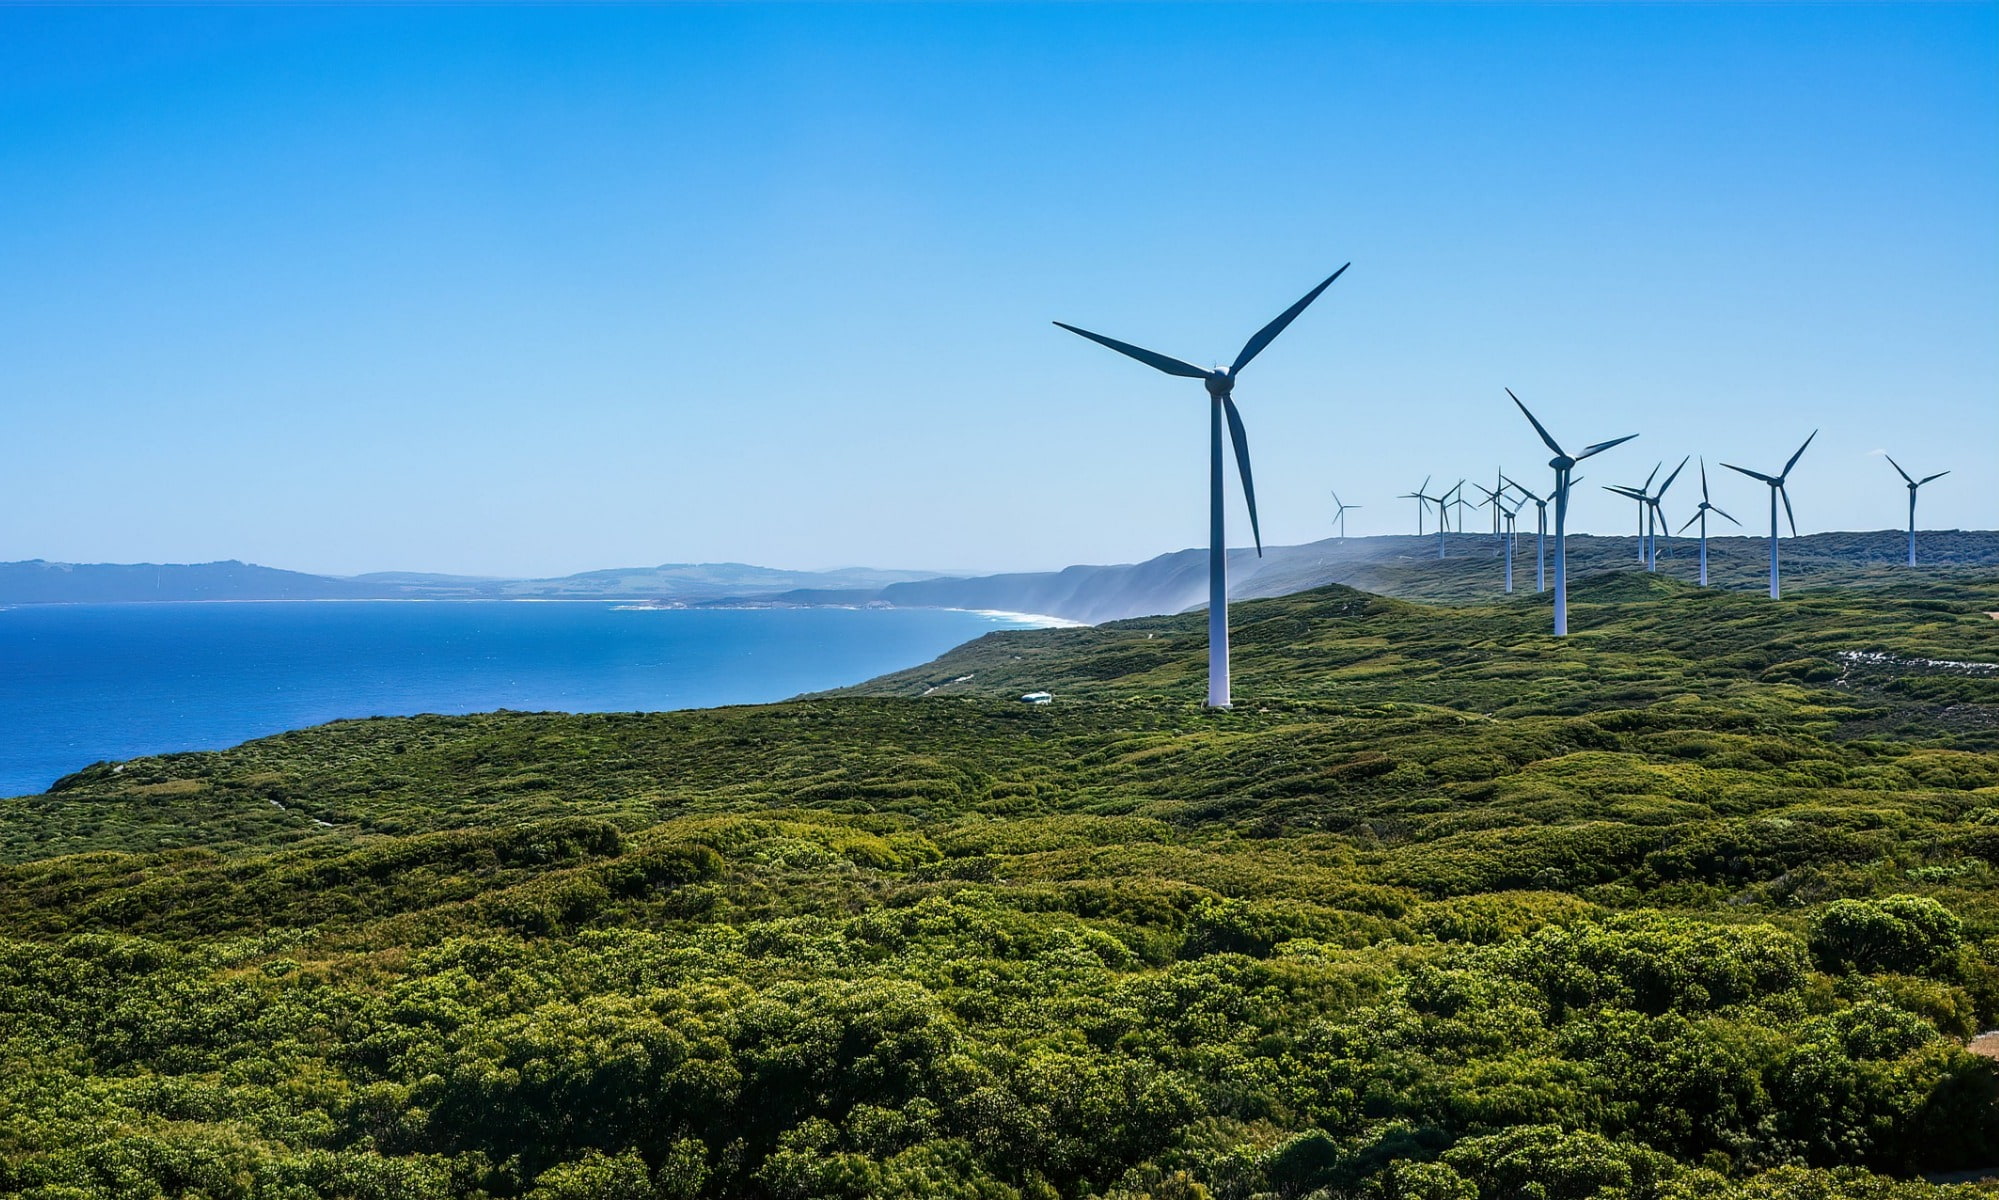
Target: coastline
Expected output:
[115,681]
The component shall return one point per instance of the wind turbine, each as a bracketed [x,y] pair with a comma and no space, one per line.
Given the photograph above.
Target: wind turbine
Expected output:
[1654,502]
[1913,485]
[1509,513]
[1700,514]
[1495,499]
[1454,496]
[1777,489]
[1563,463]
[1458,490]
[1489,498]
[1540,533]
[1651,517]
[1638,494]
[1220,382]
[1422,500]
[1340,514]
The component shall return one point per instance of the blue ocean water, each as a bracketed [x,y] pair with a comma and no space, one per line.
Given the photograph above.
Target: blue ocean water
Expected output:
[80,683]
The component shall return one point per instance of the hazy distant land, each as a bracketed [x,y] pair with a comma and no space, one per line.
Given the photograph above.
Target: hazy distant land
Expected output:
[1404,566]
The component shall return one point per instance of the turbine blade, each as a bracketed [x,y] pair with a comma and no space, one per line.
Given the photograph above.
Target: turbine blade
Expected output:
[1690,521]
[1649,478]
[1703,480]
[1241,441]
[1600,447]
[1268,333]
[1781,491]
[1673,476]
[1925,479]
[1899,470]
[1795,457]
[1539,428]
[1752,474]
[1159,362]
[1731,520]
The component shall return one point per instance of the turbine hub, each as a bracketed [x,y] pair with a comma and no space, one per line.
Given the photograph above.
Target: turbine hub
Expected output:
[1561,462]
[1220,383]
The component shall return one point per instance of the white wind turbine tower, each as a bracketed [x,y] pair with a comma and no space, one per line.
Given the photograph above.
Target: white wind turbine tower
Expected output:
[1496,500]
[1638,494]
[1563,463]
[1700,514]
[1913,485]
[1777,489]
[1651,517]
[1423,501]
[1457,494]
[1658,524]
[1340,514]
[1540,532]
[1220,382]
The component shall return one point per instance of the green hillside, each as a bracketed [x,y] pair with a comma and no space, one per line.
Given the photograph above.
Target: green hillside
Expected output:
[1475,571]
[1699,902]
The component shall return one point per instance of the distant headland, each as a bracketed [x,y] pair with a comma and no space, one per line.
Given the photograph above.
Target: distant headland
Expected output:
[1393,565]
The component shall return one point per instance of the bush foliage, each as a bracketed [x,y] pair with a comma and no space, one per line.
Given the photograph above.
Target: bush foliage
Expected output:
[1443,909]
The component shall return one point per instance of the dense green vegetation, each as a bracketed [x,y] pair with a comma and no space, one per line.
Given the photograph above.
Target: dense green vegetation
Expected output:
[1699,902]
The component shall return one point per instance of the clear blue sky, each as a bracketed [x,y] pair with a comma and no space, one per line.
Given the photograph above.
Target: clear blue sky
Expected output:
[531,290]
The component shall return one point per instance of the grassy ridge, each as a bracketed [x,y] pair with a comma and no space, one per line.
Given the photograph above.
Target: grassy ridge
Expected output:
[1474,571]
[1697,903]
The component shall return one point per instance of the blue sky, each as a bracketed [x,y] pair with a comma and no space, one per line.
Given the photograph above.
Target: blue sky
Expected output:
[528,290]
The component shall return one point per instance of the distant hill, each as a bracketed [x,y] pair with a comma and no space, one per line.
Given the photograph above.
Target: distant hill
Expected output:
[703,581]
[1402,566]
[40,582]
[1408,567]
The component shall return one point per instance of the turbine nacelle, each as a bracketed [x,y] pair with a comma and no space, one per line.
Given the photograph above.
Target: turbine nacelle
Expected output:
[1220,383]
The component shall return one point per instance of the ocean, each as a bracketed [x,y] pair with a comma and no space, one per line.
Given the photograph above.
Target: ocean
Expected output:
[81,683]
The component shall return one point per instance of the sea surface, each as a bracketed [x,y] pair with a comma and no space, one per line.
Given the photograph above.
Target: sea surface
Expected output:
[84,682]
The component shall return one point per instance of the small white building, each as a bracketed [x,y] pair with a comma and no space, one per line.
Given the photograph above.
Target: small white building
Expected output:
[1036,698]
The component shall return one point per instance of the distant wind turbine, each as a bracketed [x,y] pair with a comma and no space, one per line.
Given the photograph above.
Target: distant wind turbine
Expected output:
[1540,533]
[1913,485]
[1458,491]
[1655,502]
[1423,501]
[1340,514]
[1495,499]
[1563,463]
[1777,489]
[1220,382]
[1454,496]
[1651,516]
[1700,514]
[1638,495]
